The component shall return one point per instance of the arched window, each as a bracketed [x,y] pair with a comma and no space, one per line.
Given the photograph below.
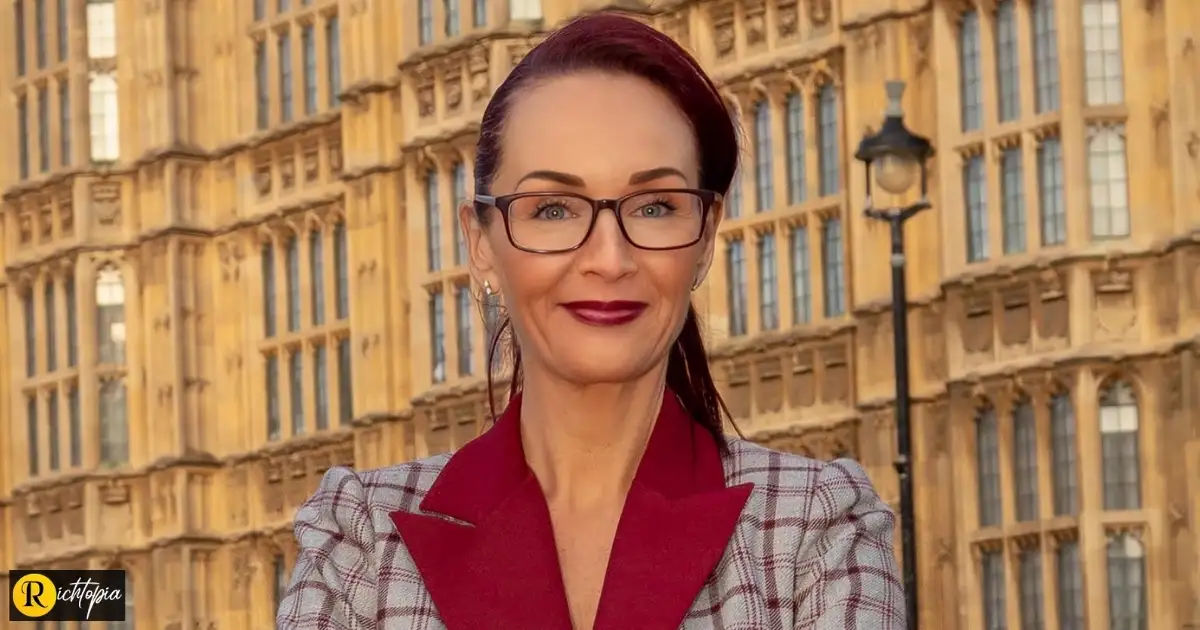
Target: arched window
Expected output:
[459,177]
[970,72]
[794,130]
[110,316]
[1063,455]
[316,266]
[1119,446]
[1126,582]
[1109,183]
[425,21]
[987,467]
[104,121]
[1025,472]
[764,180]
[829,158]
[292,268]
[733,203]
[433,221]
[114,424]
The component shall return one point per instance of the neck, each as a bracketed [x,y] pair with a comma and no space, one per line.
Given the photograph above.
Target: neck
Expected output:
[584,443]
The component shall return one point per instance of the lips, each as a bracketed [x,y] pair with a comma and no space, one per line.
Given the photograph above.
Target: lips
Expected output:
[614,313]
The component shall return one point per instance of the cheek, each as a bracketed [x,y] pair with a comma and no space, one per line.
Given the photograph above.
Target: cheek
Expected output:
[527,278]
[672,273]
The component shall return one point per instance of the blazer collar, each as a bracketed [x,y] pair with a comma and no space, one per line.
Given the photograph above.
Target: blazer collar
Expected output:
[496,564]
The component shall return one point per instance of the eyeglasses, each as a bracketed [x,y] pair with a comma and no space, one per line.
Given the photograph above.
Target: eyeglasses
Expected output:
[556,222]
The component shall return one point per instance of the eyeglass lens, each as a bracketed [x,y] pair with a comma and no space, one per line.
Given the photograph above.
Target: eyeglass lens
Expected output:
[653,220]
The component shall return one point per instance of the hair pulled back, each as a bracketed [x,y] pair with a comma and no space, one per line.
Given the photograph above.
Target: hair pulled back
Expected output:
[618,43]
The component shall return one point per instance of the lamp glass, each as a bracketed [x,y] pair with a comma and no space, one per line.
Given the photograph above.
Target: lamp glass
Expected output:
[895,173]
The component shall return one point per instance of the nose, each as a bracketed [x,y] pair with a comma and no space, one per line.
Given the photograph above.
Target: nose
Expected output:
[607,253]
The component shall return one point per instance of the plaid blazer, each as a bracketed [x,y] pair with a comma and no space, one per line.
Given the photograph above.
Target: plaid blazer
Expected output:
[750,540]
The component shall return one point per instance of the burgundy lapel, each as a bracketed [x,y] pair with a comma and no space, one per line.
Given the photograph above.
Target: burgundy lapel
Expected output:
[677,521]
[500,569]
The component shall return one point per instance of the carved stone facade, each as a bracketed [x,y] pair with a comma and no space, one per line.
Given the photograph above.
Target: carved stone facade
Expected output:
[254,293]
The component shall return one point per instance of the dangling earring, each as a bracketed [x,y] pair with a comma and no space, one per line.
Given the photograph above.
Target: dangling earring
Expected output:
[487,288]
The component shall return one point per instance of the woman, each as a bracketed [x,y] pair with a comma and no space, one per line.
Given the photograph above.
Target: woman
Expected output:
[606,495]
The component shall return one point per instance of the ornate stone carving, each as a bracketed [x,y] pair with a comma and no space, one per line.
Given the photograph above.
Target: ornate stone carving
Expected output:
[818,12]
[1113,304]
[453,91]
[73,500]
[334,148]
[675,25]
[477,65]
[939,424]
[165,507]
[425,102]
[787,18]
[106,202]
[769,392]
[25,227]
[66,215]
[867,38]
[754,21]
[238,510]
[45,221]
[835,380]
[933,339]
[516,53]
[287,171]
[721,18]
[1171,387]
[920,29]
[802,387]
[1166,294]
[1015,325]
[263,176]
[978,327]
[114,492]
[737,377]
[242,571]
[1053,315]
[310,156]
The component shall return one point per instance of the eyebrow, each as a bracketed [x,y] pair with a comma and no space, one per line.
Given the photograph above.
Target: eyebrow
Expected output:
[567,179]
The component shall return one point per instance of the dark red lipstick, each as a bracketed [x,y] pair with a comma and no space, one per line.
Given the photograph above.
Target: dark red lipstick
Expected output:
[615,313]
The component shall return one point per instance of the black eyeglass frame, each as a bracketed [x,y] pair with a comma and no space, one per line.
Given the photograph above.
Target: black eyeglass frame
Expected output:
[503,202]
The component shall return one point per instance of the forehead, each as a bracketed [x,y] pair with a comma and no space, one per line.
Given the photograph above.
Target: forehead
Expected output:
[599,126]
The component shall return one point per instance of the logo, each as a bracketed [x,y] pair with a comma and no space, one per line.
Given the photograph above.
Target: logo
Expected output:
[67,596]
[34,595]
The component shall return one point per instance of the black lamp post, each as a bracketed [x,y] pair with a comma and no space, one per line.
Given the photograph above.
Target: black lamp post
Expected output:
[896,158]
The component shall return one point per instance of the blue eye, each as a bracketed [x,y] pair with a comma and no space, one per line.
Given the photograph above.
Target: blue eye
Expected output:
[655,209]
[551,210]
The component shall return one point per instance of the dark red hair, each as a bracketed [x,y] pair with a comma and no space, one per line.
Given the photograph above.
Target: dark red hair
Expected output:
[616,43]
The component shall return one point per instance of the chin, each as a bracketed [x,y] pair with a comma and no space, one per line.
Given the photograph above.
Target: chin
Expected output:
[607,365]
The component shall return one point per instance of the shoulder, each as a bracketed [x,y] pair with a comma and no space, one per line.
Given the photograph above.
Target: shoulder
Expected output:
[352,501]
[820,491]
[748,462]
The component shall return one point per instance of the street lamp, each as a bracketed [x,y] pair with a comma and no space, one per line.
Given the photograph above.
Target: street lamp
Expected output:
[897,157]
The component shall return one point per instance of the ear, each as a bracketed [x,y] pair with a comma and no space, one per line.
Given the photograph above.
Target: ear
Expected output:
[710,241]
[480,255]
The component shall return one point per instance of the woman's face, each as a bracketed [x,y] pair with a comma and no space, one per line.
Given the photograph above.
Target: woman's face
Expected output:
[607,312]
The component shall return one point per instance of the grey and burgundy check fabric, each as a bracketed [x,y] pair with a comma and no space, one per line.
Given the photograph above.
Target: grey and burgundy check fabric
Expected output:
[811,548]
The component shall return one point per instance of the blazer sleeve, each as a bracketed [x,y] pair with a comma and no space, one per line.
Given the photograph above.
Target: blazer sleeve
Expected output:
[847,577]
[334,584]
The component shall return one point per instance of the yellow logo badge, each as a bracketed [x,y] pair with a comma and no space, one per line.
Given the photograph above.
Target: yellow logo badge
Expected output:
[34,595]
